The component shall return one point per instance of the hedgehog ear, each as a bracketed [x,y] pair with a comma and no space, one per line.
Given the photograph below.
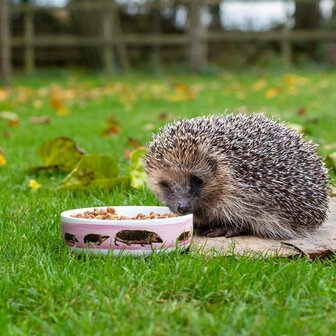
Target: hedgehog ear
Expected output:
[212,163]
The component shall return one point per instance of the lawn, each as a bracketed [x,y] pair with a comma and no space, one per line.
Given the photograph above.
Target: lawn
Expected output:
[46,290]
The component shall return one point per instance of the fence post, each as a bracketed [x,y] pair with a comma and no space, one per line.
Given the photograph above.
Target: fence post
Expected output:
[108,56]
[198,44]
[286,46]
[5,49]
[29,54]
[120,44]
[157,31]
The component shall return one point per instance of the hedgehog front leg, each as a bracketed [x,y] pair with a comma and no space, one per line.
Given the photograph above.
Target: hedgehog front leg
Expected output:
[222,231]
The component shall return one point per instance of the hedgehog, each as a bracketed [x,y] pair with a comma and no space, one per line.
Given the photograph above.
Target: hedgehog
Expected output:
[239,174]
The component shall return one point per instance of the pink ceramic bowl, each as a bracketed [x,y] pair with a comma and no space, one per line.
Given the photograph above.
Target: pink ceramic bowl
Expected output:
[127,237]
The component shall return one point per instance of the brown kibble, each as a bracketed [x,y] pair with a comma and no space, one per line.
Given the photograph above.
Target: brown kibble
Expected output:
[111,214]
[111,210]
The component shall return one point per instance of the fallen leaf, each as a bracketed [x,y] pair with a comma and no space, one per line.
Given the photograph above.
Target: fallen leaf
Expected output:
[127,153]
[313,120]
[165,116]
[136,169]
[13,123]
[297,127]
[6,134]
[3,95]
[329,146]
[56,102]
[94,170]
[294,80]
[127,97]
[181,92]
[59,154]
[148,127]
[34,185]
[272,92]
[63,111]
[301,111]
[40,120]
[11,117]
[113,127]
[3,160]
[133,142]
[259,84]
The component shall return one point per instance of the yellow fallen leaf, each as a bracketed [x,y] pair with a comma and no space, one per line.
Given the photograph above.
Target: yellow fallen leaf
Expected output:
[3,160]
[181,92]
[62,111]
[113,127]
[272,92]
[57,103]
[3,95]
[259,84]
[34,185]
[294,80]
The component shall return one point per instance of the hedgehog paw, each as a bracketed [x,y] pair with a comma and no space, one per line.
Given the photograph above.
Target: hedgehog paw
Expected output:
[221,232]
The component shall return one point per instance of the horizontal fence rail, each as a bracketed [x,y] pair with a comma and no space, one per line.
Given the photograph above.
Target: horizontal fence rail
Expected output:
[111,38]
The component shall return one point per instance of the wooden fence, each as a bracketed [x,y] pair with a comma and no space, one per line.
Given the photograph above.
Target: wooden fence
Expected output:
[111,38]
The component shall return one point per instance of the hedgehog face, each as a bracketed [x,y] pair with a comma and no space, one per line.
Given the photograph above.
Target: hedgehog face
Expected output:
[184,169]
[183,193]
[187,189]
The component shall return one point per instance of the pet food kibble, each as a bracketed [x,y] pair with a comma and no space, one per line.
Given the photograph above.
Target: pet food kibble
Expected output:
[110,213]
[111,210]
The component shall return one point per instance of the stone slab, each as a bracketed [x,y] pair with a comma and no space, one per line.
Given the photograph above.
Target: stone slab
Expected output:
[321,243]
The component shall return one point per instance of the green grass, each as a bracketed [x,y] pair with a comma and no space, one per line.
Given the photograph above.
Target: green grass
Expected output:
[45,290]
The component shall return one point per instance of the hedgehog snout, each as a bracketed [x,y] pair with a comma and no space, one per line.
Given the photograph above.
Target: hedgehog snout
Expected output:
[184,207]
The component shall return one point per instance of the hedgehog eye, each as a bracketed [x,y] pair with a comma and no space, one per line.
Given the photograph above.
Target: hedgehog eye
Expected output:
[164,185]
[196,181]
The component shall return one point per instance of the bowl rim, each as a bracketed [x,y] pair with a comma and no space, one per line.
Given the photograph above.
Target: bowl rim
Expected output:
[67,219]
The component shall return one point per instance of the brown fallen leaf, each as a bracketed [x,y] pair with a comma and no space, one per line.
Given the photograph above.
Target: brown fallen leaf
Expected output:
[40,120]
[11,117]
[13,123]
[113,127]
[133,142]
[6,134]
[56,102]
[127,153]
[301,111]
[165,116]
